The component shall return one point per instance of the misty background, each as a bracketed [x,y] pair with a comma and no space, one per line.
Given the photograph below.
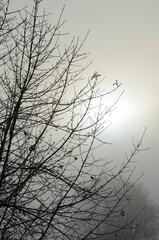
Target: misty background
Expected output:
[124,44]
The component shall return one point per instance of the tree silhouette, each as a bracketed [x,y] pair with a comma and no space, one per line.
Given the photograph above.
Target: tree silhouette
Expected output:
[146,224]
[137,216]
[49,176]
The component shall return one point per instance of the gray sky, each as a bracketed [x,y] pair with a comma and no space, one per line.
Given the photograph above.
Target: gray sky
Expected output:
[124,45]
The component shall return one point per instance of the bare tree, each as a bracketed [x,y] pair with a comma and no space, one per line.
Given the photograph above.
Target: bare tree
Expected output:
[137,216]
[146,224]
[49,175]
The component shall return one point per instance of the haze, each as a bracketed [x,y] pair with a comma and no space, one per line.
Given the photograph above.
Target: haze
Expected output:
[124,45]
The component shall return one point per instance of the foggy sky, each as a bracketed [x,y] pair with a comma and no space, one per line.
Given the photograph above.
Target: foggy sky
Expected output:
[124,45]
